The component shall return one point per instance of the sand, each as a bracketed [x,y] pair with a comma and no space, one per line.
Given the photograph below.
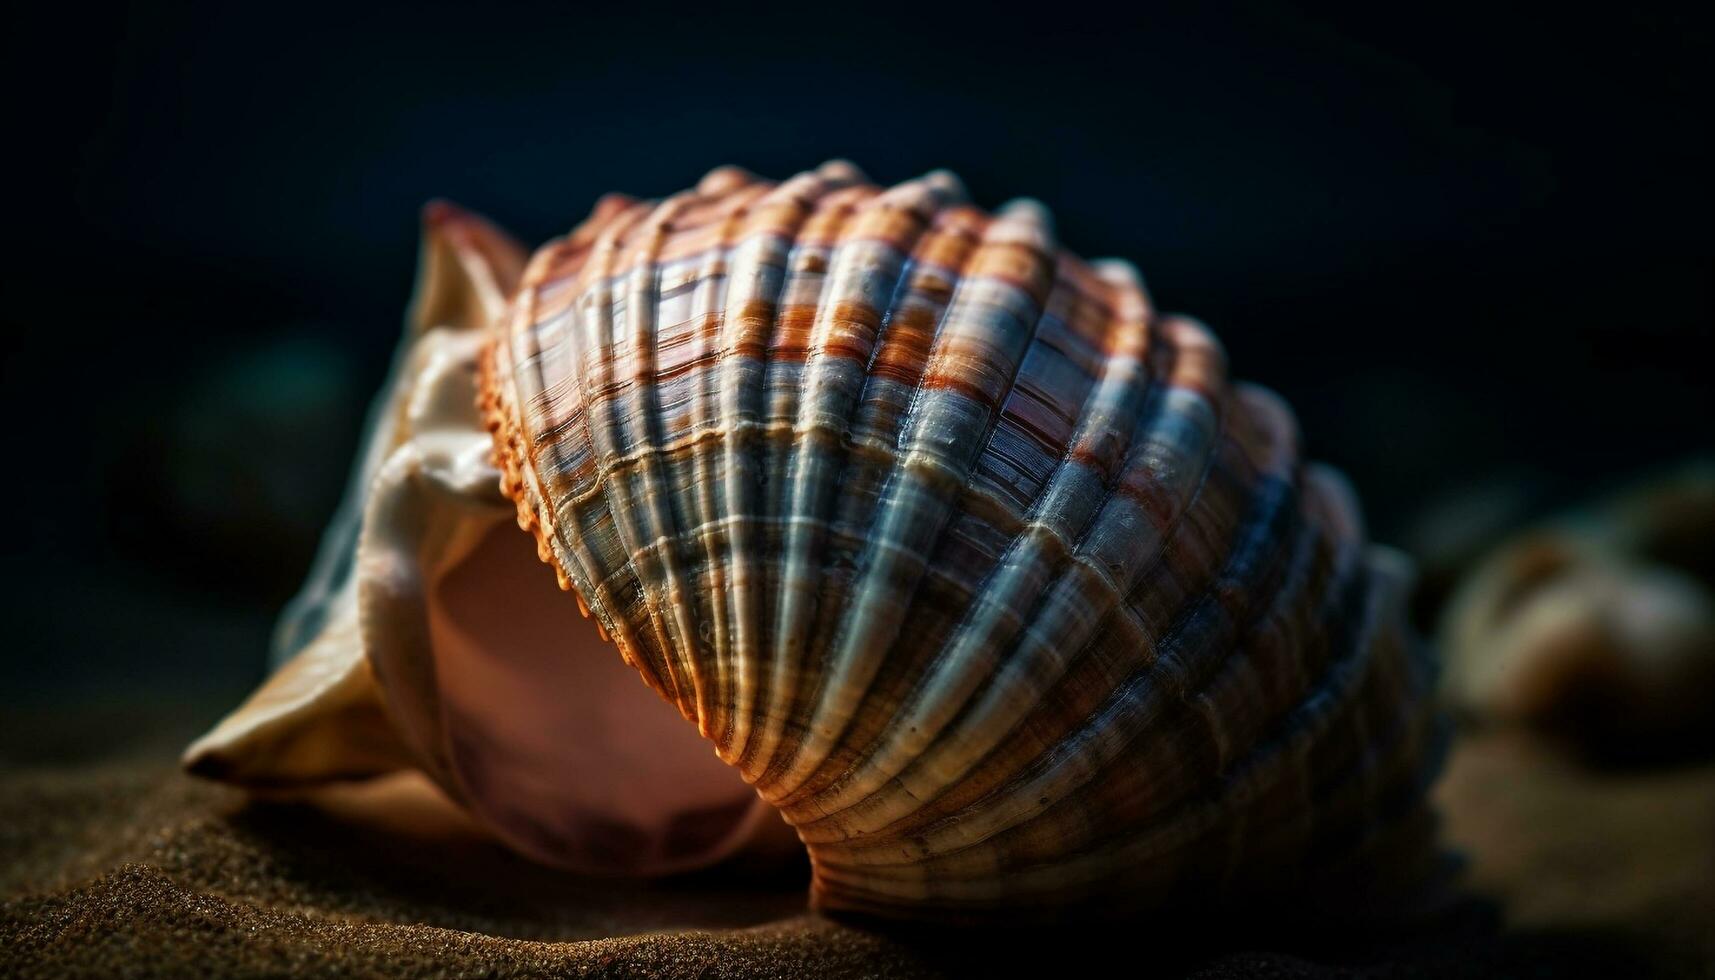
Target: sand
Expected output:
[125,868]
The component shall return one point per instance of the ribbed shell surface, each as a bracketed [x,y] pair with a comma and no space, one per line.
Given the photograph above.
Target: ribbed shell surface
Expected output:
[973,564]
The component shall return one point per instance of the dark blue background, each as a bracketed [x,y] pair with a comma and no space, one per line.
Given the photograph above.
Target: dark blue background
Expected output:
[1468,243]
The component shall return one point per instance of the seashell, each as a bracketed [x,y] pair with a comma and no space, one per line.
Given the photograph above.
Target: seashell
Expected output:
[970,564]
[1597,625]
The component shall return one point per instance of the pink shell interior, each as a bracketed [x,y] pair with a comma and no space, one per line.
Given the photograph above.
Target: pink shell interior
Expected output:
[558,746]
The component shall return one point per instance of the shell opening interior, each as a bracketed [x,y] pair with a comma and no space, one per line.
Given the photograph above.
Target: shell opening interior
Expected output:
[559,745]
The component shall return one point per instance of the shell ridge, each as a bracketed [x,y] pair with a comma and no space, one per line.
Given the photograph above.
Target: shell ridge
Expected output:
[890,384]
[709,305]
[570,550]
[909,798]
[1340,700]
[1370,781]
[1054,527]
[1096,744]
[1185,427]
[1345,670]
[896,366]
[573,564]
[866,275]
[817,429]
[1246,536]
[995,319]
[573,350]
[1193,817]
[756,271]
[604,301]
[827,406]
[805,287]
[659,528]
[759,269]
[1273,651]
[503,399]
[1192,646]
[1334,598]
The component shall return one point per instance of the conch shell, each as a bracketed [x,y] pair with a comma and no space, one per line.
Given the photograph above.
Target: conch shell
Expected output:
[972,565]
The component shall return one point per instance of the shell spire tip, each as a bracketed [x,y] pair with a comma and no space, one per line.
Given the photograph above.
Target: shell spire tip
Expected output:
[842,171]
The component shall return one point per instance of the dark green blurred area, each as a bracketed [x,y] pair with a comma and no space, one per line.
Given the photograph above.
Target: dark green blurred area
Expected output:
[1471,246]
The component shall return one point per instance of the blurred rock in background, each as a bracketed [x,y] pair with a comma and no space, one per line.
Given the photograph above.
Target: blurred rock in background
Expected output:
[1597,625]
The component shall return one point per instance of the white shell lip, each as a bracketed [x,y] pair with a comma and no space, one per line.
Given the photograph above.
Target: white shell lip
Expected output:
[407,646]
